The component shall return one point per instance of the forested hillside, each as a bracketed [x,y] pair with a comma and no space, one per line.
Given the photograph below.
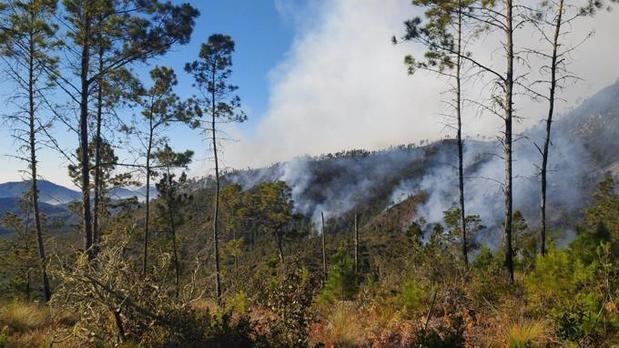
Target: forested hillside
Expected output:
[508,240]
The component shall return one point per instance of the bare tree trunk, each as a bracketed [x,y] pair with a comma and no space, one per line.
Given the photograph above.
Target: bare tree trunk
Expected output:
[280,245]
[216,210]
[460,140]
[120,330]
[509,84]
[98,185]
[177,272]
[324,250]
[236,257]
[551,106]
[149,150]
[28,284]
[173,230]
[33,171]
[356,242]
[83,125]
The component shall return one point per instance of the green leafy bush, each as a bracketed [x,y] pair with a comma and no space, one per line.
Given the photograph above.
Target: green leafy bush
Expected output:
[289,296]
[411,297]
[342,283]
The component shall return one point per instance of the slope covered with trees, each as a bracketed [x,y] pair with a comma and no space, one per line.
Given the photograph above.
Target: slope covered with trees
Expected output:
[459,242]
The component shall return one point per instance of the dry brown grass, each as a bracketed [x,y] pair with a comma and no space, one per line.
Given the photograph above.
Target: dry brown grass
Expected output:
[24,317]
[345,324]
[31,324]
[343,327]
[526,333]
[204,305]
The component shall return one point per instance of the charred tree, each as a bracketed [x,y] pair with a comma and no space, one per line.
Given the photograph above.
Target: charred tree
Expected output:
[324,249]
[356,243]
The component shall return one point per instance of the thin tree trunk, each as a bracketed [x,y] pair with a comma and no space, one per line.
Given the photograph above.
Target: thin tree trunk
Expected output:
[280,246]
[551,106]
[173,230]
[120,330]
[33,171]
[177,272]
[324,251]
[149,149]
[356,242]
[98,184]
[509,84]
[236,257]
[460,140]
[216,212]
[28,284]
[83,125]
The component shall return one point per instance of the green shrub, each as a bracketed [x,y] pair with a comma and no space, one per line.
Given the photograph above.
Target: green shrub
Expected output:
[342,283]
[567,290]
[411,297]
[238,303]
[289,296]
[488,280]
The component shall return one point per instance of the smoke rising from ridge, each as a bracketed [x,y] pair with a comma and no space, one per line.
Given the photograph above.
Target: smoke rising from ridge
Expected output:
[343,85]
[337,184]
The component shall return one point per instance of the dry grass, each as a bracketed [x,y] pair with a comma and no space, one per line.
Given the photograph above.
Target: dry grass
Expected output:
[528,333]
[30,324]
[34,338]
[342,326]
[24,317]
[205,306]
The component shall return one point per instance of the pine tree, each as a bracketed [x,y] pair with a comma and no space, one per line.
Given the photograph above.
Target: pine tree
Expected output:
[160,107]
[172,198]
[140,30]
[28,42]
[483,15]
[442,59]
[211,75]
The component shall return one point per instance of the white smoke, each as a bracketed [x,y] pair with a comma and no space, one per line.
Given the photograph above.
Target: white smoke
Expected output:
[343,84]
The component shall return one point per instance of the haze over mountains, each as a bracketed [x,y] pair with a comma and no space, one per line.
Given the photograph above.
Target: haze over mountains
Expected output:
[584,146]
[54,194]
[55,199]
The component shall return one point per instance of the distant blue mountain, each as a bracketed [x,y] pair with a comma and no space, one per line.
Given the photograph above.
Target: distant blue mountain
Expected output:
[55,199]
[12,205]
[139,193]
[54,214]
[49,192]
[54,194]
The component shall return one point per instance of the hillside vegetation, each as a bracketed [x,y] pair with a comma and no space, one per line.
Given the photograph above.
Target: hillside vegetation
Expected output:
[406,289]
[407,285]
[508,240]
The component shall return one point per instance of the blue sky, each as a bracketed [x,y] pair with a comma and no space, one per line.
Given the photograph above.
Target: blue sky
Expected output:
[319,76]
[263,34]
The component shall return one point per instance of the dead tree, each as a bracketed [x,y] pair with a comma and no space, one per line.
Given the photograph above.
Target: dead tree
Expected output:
[324,249]
[446,60]
[499,16]
[356,243]
[554,76]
